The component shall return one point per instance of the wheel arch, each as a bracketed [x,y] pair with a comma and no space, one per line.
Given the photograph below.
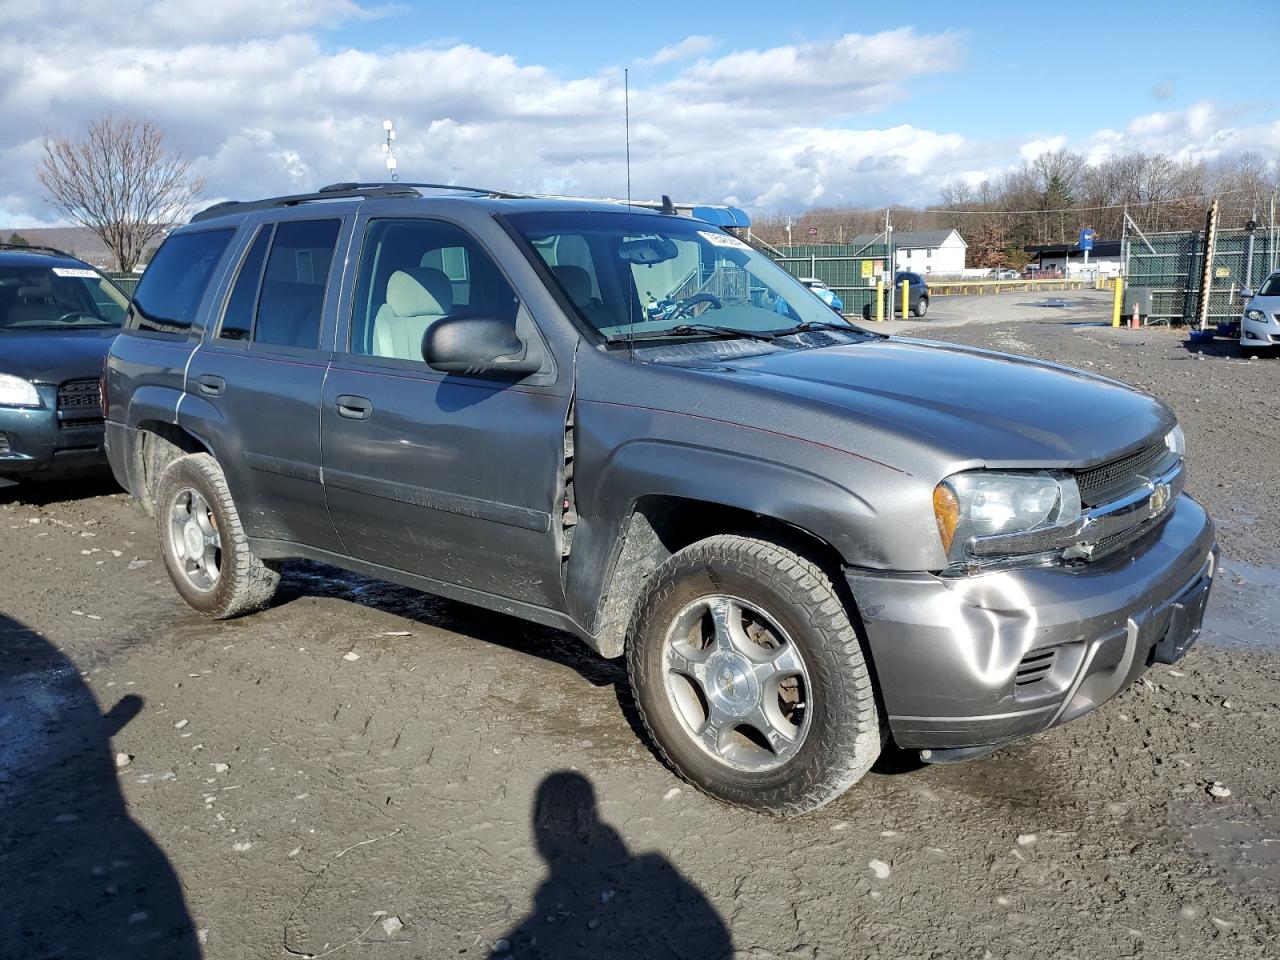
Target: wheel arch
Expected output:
[158,443]
[660,525]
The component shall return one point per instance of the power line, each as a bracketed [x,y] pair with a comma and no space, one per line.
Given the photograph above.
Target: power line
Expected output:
[1105,206]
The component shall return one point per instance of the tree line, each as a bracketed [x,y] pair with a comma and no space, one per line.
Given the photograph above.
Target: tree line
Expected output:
[1051,198]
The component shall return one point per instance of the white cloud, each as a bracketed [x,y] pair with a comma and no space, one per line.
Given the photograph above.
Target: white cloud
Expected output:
[1034,148]
[264,101]
[689,47]
[1202,131]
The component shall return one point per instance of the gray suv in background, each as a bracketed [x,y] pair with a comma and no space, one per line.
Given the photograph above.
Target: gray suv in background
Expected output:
[806,538]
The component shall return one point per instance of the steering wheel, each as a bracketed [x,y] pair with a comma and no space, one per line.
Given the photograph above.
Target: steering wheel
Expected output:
[685,306]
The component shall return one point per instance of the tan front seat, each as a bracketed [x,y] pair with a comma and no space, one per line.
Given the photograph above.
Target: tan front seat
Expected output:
[416,298]
[577,284]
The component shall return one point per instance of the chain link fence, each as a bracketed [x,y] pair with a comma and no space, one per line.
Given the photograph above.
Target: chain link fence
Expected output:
[1169,267]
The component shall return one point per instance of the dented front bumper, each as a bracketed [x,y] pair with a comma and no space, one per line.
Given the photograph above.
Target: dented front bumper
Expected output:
[982,660]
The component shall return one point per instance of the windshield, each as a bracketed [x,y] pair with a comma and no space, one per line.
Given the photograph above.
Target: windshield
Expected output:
[39,297]
[643,275]
[1271,287]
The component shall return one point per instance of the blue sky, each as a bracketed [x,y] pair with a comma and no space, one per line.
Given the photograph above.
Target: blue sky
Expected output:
[772,106]
[1066,70]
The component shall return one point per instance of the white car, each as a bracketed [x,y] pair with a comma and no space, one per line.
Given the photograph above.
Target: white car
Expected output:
[824,293]
[1260,324]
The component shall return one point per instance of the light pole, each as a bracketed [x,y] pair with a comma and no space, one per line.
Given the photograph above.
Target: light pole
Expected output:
[389,127]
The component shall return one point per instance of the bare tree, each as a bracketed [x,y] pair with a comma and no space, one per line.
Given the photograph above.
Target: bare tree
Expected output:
[120,181]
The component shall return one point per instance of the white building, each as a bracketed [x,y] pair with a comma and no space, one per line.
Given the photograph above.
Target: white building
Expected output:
[1104,259]
[923,251]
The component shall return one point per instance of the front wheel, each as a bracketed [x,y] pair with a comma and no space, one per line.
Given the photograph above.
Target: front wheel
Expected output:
[204,545]
[750,677]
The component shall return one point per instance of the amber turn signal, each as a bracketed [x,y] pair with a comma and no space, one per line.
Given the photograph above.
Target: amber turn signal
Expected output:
[946,509]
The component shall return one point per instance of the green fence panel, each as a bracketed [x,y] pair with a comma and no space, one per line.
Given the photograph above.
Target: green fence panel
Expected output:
[1171,265]
[851,271]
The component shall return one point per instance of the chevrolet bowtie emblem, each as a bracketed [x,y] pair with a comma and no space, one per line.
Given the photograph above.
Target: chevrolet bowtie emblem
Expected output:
[1159,498]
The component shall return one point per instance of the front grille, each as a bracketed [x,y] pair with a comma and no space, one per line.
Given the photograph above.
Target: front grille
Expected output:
[1035,666]
[1101,483]
[81,423]
[78,394]
[79,404]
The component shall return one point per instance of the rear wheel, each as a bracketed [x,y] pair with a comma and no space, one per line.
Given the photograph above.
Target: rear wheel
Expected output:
[204,546]
[750,677]
[921,307]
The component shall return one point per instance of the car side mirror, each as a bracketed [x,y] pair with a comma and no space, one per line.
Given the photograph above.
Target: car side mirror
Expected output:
[476,345]
[1246,294]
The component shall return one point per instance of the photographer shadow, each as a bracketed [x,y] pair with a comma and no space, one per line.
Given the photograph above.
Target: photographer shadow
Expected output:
[79,880]
[598,899]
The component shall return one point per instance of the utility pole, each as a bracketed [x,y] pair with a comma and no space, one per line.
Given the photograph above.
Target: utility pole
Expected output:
[789,222]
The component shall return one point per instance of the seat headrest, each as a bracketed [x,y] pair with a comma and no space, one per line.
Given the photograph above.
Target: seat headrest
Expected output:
[419,291]
[576,282]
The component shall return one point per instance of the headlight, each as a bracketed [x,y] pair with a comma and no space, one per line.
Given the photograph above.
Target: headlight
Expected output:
[1254,315]
[1176,441]
[986,504]
[16,392]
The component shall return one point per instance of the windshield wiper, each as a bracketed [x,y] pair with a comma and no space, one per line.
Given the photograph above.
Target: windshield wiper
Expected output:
[809,325]
[694,329]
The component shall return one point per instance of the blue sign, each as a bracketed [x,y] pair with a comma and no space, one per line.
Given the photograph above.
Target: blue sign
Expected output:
[1086,238]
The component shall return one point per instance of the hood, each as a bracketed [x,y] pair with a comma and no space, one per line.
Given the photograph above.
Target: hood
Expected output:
[52,356]
[1002,410]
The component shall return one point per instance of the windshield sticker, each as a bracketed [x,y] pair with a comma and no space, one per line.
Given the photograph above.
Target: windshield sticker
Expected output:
[722,240]
[75,272]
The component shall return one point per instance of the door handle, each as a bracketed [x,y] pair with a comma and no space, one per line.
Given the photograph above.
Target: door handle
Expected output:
[210,385]
[354,408]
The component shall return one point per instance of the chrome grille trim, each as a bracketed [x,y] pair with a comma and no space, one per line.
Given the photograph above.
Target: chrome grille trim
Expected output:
[1108,523]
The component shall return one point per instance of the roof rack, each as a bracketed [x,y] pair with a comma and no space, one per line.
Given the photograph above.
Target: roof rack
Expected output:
[457,187]
[341,191]
[35,247]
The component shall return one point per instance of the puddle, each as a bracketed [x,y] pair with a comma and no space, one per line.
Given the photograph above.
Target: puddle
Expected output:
[38,703]
[1057,303]
[1241,843]
[1089,323]
[1244,608]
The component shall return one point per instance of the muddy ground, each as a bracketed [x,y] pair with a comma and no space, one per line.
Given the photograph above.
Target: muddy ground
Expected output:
[365,771]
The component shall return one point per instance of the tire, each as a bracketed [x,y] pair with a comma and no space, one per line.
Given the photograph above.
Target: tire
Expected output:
[921,307]
[226,580]
[831,734]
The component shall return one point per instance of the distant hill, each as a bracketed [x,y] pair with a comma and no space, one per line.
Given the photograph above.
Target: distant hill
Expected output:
[77,241]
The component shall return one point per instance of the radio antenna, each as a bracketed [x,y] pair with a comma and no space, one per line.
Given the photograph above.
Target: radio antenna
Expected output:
[631,297]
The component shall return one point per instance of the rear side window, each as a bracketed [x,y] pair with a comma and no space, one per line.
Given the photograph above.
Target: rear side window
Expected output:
[294,281]
[237,319]
[169,294]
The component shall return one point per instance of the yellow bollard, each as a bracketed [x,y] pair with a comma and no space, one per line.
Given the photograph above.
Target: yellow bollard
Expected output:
[880,301]
[906,298]
[1118,304]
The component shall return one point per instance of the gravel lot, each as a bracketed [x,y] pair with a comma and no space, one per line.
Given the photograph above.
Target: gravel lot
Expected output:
[366,771]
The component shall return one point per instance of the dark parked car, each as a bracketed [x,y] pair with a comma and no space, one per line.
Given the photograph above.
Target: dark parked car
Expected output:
[917,290]
[58,316]
[807,539]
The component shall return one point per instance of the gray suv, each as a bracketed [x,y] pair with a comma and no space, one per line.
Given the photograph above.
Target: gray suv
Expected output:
[807,539]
